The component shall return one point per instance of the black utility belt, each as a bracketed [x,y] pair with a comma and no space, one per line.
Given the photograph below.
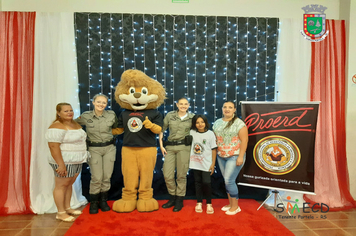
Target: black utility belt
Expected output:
[187,141]
[174,142]
[93,144]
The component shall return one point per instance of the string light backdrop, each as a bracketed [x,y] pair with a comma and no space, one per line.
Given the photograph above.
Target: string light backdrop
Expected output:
[208,59]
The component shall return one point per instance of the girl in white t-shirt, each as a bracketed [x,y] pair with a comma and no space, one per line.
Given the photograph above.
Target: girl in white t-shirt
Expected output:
[202,160]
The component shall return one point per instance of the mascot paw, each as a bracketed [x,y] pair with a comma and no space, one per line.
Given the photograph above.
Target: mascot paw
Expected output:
[117,131]
[147,205]
[124,205]
[147,123]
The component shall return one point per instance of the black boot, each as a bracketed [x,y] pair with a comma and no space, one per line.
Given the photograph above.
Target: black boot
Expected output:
[179,204]
[170,203]
[94,203]
[102,202]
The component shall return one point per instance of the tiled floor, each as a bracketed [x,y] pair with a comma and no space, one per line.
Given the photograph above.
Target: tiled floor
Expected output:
[325,224]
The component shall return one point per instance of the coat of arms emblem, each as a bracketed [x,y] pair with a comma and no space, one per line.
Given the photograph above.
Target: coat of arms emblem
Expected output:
[314,23]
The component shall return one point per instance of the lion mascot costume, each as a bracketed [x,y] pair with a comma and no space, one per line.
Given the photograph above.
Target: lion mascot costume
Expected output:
[140,96]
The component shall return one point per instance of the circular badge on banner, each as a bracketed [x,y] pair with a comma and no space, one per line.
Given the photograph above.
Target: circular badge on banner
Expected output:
[276,155]
[134,124]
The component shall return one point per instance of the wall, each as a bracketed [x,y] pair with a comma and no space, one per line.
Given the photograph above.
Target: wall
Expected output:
[337,9]
[261,8]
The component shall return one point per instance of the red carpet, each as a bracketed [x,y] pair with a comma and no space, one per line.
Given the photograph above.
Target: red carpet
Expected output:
[186,222]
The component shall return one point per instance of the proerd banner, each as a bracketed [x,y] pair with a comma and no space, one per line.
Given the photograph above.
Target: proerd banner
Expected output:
[280,152]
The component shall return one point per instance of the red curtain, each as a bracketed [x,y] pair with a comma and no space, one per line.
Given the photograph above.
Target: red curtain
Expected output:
[16,86]
[328,86]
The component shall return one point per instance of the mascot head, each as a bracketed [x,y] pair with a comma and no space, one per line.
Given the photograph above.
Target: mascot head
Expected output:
[137,91]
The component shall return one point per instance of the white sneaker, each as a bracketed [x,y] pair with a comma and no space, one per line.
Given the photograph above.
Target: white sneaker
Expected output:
[231,213]
[225,208]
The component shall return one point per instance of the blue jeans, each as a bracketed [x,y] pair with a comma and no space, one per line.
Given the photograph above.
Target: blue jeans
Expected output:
[230,171]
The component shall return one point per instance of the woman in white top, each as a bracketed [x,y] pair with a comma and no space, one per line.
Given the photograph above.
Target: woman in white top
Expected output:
[66,141]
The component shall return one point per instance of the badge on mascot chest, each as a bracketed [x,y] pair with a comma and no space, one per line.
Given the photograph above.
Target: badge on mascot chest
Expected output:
[134,124]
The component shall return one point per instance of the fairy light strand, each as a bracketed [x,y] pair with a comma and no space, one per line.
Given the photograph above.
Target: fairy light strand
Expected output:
[111,62]
[89,64]
[277,68]
[123,41]
[195,63]
[266,59]
[76,111]
[144,43]
[205,62]
[186,56]
[226,56]
[154,45]
[256,71]
[76,57]
[174,63]
[165,60]
[236,62]
[216,41]
[133,41]
[247,60]
[101,58]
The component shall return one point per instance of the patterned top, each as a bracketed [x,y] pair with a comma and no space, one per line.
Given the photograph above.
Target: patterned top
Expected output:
[73,146]
[227,139]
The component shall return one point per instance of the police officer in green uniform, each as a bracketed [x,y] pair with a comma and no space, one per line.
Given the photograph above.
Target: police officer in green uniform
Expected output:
[176,153]
[99,123]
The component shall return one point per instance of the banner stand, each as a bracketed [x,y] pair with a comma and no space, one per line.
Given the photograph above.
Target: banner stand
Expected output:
[276,195]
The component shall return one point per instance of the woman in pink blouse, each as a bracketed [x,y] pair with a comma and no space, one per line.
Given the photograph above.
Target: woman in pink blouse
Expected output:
[231,137]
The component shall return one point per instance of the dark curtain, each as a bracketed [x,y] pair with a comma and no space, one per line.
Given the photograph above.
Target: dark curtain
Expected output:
[208,59]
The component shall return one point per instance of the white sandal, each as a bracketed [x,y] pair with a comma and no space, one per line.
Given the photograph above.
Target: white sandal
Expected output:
[199,208]
[209,209]
[73,212]
[68,219]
